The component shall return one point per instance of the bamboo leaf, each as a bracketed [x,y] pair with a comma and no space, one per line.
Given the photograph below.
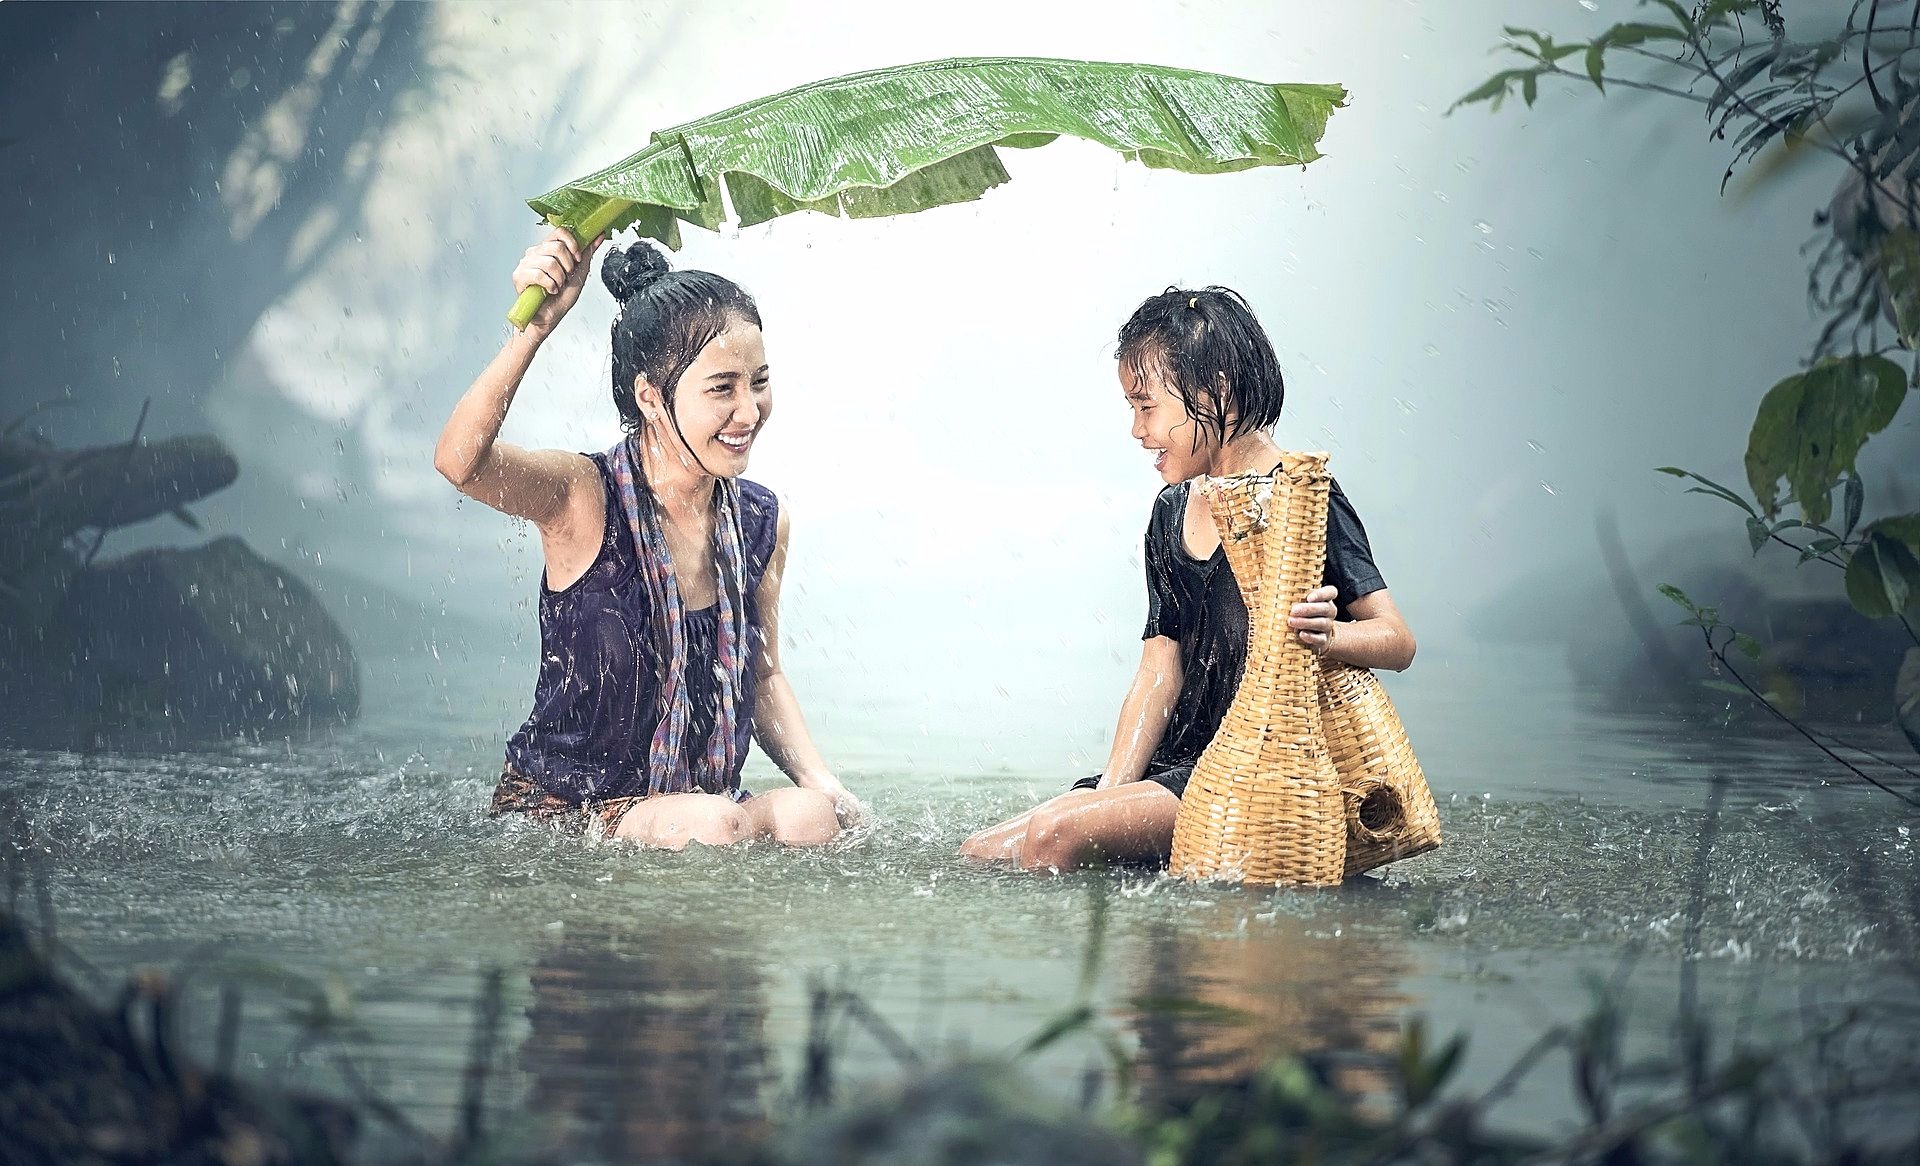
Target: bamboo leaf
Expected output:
[1541,44]
[1678,596]
[1712,488]
[1637,33]
[1721,492]
[1734,82]
[1493,88]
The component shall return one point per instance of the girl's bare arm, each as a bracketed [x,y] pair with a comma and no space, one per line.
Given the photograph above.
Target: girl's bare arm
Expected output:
[1145,711]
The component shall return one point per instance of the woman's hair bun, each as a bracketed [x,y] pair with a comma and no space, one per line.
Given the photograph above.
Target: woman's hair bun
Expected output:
[627,271]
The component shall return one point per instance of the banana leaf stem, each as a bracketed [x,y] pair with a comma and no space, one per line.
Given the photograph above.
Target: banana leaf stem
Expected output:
[588,229]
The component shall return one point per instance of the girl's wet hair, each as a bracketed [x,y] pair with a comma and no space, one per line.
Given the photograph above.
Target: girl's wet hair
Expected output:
[1213,352]
[666,317]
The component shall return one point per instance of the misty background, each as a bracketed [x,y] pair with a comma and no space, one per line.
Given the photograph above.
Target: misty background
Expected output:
[293,227]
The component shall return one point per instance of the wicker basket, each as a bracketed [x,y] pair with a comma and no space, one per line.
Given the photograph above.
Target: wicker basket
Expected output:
[1310,778]
[1390,810]
[1264,802]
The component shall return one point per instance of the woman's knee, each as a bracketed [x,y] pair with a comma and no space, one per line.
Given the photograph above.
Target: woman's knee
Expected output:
[803,817]
[723,825]
[708,819]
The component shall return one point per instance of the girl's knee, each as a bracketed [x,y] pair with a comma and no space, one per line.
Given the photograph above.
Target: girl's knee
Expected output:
[981,846]
[1051,842]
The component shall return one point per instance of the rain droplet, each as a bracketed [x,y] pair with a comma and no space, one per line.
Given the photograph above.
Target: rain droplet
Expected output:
[1537,448]
[1433,350]
[109,257]
[1483,226]
[1536,253]
[1549,489]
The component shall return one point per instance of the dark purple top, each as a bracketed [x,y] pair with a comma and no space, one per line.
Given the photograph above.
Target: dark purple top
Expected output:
[594,705]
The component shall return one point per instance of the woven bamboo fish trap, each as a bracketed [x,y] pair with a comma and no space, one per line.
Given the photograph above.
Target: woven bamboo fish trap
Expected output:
[1310,777]
[1390,810]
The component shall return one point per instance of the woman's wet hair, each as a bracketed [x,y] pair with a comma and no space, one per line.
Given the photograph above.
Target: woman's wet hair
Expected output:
[666,317]
[1217,357]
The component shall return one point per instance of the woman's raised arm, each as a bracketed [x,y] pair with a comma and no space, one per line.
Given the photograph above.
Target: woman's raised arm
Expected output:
[536,485]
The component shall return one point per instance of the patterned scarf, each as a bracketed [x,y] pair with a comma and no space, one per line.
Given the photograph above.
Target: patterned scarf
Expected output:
[718,761]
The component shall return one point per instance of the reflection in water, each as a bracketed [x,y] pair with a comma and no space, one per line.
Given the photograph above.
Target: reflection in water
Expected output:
[647,1044]
[1216,1004]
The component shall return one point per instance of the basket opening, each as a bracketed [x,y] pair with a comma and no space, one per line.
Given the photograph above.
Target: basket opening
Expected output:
[1380,811]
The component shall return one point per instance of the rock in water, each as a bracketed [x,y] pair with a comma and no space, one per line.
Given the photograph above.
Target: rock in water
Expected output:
[176,644]
[62,491]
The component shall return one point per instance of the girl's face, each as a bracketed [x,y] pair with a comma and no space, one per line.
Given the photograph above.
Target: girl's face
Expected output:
[724,399]
[1162,425]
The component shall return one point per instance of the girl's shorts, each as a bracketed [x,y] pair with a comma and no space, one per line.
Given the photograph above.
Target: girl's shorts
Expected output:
[1173,777]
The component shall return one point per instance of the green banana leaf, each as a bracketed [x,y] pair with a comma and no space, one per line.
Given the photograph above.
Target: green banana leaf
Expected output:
[894,141]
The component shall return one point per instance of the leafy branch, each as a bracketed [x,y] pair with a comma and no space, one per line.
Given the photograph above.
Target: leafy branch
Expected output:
[1720,636]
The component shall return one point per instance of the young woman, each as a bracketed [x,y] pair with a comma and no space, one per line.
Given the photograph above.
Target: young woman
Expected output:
[659,606]
[1205,389]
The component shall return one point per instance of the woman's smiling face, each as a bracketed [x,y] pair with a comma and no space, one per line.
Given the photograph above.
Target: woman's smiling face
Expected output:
[723,400]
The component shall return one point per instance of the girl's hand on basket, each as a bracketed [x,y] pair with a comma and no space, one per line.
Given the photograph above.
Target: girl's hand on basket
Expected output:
[1312,620]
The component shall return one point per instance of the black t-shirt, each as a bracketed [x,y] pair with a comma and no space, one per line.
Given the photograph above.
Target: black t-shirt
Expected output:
[1198,604]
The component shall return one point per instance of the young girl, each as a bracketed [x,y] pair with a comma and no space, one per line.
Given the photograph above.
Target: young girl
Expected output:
[659,606]
[1205,389]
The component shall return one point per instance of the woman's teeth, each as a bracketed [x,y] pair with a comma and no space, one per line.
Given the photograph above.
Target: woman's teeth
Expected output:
[734,443]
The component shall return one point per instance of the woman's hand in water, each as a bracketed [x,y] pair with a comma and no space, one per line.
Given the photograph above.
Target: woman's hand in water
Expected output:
[558,265]
[846,807]
[1312,620]
[849,809]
